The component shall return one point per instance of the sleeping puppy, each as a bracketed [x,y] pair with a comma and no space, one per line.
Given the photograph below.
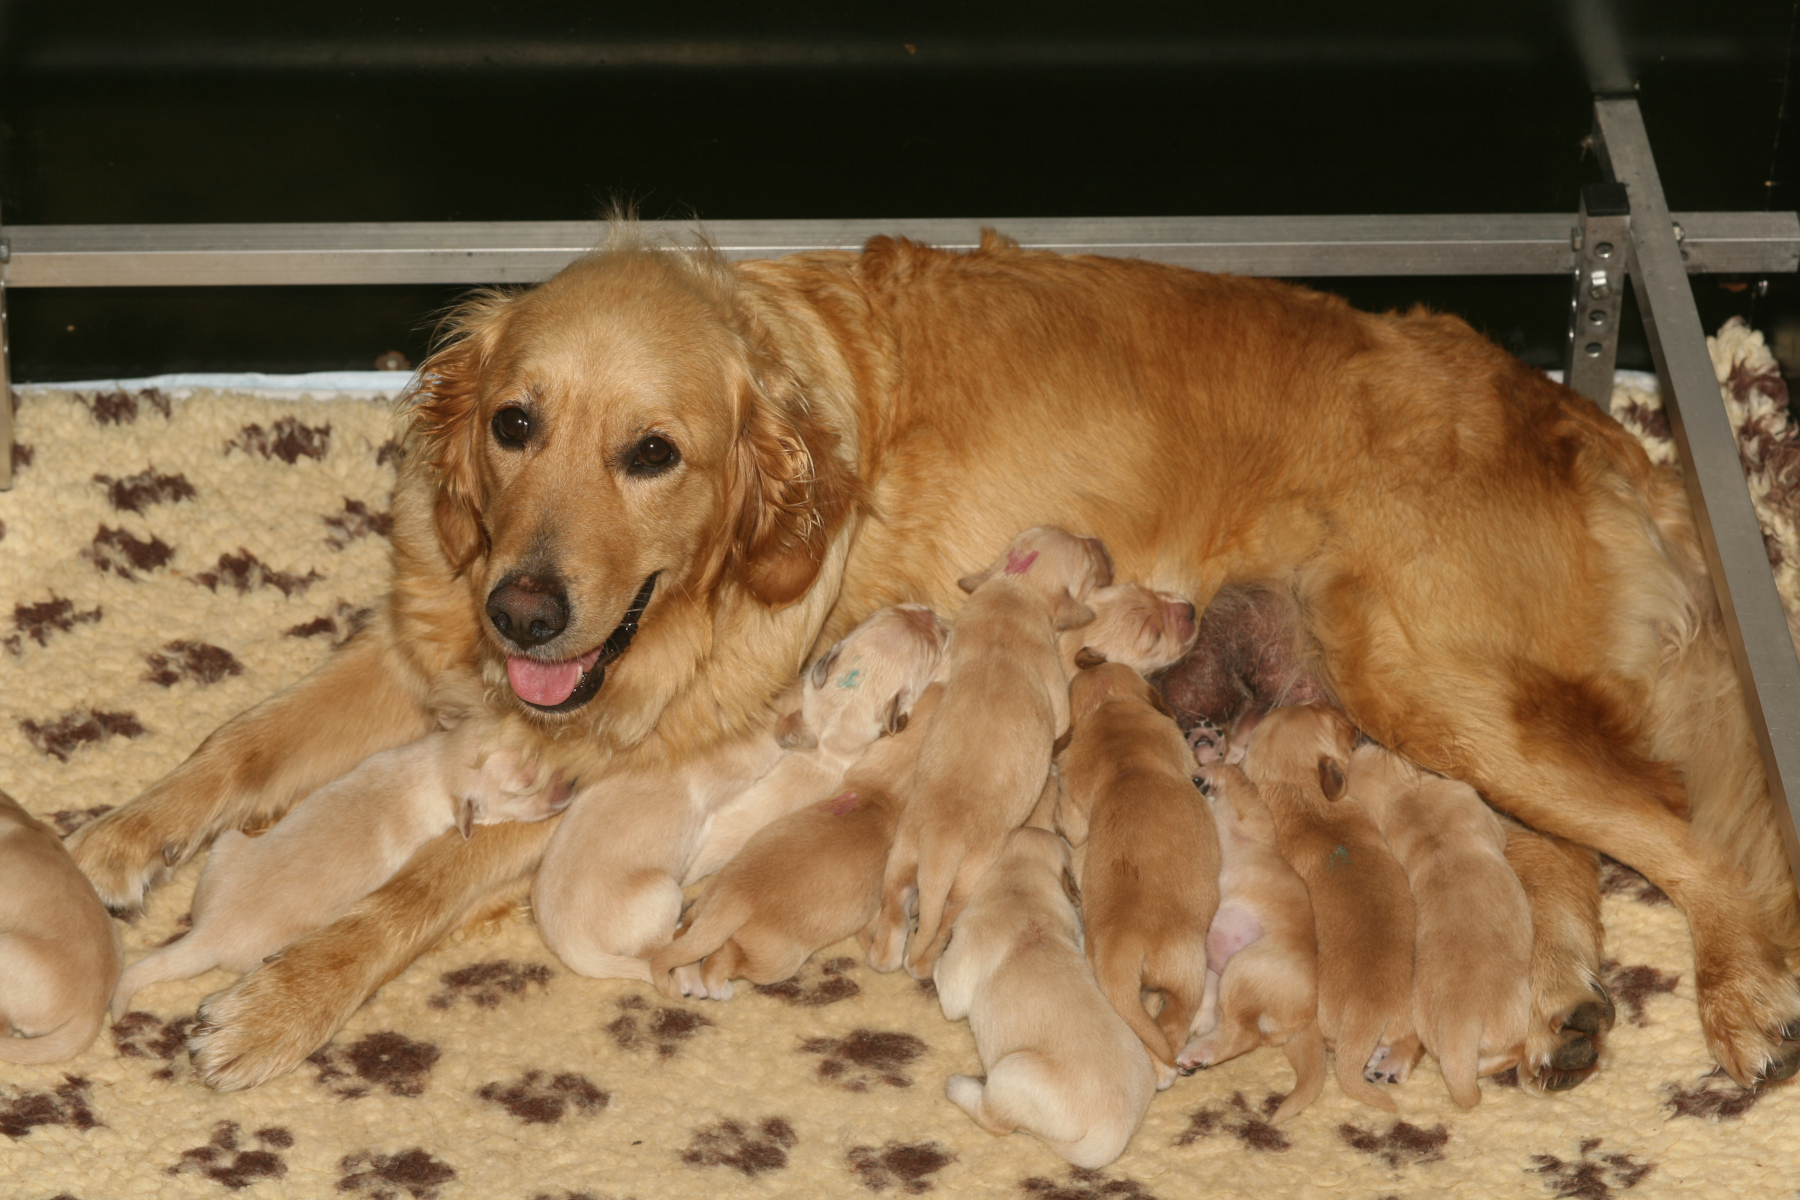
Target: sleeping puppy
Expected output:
[984,761]
[805,882]
[608,894]
[59,952]
[1150,880]
[1061,1063]
[1298,758]
[1262,956]
[1144,629]
[257,894]
[1472,932]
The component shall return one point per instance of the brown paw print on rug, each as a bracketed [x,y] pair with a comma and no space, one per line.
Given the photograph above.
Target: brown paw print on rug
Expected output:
[376,1176]
[1716,1097]
[539,1100]
[225,1160]
[1085,1184]
[1403,1145]
[381,1060]
[286,439]
[68,1104]
[1236,1117]
[899,1165]
[62,736]
[145,1035]
[646,1026]
[194,662]
[816,986]
[863,1058]
[43,620]
[730,1144]
[1591,1176]
[486,984]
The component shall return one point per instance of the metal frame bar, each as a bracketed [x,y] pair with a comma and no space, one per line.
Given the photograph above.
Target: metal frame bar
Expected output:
[528,251]
[1602,242]
[1756,625]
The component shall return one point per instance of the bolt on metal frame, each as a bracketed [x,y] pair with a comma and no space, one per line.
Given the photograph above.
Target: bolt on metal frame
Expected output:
[1624,229]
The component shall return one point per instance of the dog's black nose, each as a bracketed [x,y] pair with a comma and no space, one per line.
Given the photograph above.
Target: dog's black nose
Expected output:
[528,610]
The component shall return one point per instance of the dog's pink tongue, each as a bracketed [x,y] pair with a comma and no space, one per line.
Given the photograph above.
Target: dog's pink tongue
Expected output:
[542,683]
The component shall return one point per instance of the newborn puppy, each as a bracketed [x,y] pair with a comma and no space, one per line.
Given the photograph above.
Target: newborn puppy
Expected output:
[1150,882]
[1061,1063]
[342,842]
[608,894]
[59,952]
[1472,936]
[1133,625]
[984,761]
[1362,909]
[1262,956]
[805,882]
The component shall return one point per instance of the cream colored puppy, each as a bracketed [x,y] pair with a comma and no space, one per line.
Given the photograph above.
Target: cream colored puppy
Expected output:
[986,757]
[59,952]
[1362,908]
[1143,629]
[1262,955]
[1061,1063]
[805,882]
[1150,879]
[608,894]
[342,842]
[1472,931]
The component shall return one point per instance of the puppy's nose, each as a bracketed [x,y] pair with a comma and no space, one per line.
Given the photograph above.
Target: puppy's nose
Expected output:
[528,610]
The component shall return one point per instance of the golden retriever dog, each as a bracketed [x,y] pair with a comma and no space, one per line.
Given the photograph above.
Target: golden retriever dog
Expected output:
[1570,1009]
[664,482]
[1472,923]
[1299,758]
[257,894]
[1150,878]
[983,765]
[810,879]
[59,952]
[608,894]
[1144,629]
[1061,1063]
[1262,955]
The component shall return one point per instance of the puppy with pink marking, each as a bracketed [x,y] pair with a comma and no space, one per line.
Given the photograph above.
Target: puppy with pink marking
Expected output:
[342,842]
[1262,953]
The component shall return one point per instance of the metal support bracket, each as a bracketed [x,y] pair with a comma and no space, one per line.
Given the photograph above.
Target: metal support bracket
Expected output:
[1724,515]
[1601,241]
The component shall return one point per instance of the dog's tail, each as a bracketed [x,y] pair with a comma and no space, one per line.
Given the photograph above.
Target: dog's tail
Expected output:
[1119,970]
[1306,1051]
[716,919]
[1458,1050]
[183,959]
[1357,1039]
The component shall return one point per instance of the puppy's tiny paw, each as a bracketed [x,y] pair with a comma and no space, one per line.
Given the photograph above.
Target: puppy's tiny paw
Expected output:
[1207,742]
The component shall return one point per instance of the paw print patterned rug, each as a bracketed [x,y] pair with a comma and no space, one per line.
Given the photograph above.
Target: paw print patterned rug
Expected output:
[168,560]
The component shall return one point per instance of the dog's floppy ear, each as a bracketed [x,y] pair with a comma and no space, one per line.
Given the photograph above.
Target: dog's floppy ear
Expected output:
[446,422]
[1331,778]
[969,583]
[791,732]
[1087,657]
[1070,613]
[790,491]
[820,671]
[895,718]
[465,817]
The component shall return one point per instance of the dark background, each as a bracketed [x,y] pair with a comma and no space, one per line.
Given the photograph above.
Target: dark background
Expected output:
[210,111]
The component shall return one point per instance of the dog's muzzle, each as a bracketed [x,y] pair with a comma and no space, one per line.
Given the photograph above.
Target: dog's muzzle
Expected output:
[591,666]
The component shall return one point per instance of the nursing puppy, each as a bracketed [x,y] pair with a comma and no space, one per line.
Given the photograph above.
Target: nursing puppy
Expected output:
[1061,1063]
[984,761]
[803,883]
[1150,881]
[1144,629]
[59,952]
[1472,930]
[1362,909]
[608,895]
[1262,955]
[257,894]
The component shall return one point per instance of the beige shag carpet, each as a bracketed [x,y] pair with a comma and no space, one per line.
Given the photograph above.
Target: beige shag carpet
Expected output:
[167,561]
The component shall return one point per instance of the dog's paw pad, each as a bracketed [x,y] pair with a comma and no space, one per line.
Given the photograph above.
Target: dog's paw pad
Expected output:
[1586,1018]
[1784,1065]
[1576,1054]
[1559,1081]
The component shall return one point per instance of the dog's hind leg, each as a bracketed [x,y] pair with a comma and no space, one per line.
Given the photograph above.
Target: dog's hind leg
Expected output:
[1570,1011]
[365,698]
[272,1018]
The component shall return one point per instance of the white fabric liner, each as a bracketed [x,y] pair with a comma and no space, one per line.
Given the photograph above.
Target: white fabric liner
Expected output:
[313,385]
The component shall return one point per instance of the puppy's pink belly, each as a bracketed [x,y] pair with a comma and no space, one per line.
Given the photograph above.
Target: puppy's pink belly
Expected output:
[1234,927]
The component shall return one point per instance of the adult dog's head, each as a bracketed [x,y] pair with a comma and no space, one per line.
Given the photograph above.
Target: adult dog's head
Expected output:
[621,446]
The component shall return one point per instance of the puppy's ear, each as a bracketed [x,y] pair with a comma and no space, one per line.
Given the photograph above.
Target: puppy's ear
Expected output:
[1062,742]
[896,717]
[969,583]
[1331,778]
[1087,657]
[1071,889]
[446,427]
[790,492]
[821,668]
[1070,613]
[465,817]
[791,732]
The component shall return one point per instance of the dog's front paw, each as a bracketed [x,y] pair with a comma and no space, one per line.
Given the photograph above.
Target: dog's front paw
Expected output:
[1197,1055]
[124,854]
[266,1023]
[1563,1046]
[1751,1018]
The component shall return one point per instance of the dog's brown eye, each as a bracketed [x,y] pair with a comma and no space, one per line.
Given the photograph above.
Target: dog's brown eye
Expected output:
[512,426]
[654,455]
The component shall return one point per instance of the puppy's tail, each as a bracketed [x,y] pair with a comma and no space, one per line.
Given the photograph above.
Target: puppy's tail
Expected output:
[1306,1051]
[183,959]
[717,919]
[1459,1056]
[1356,1043]
[1119,970]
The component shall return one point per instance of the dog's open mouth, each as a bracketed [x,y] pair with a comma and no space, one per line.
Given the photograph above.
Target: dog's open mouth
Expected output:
[560,687]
